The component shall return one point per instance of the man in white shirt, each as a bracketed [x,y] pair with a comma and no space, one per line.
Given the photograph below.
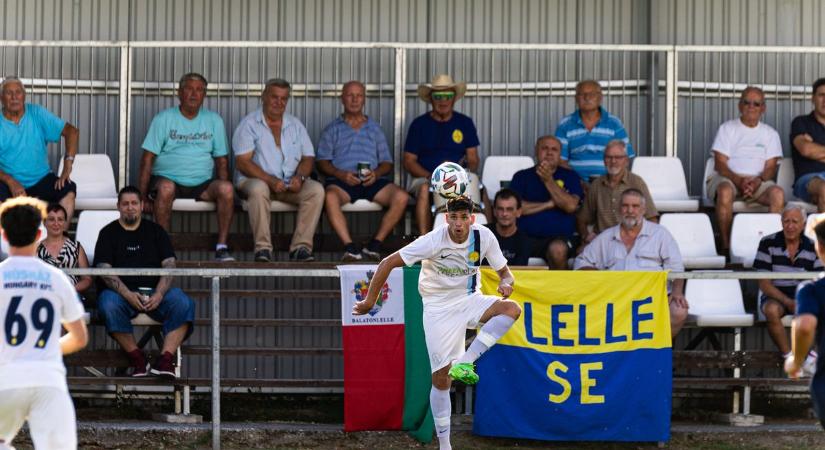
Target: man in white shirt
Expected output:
[746,153]
[35,300]
[639,244]
[449,284]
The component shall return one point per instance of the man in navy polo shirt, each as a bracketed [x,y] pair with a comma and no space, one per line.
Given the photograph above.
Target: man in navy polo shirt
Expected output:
[808,150]
[351,139]
[439,135]
[585,133]
[551,195]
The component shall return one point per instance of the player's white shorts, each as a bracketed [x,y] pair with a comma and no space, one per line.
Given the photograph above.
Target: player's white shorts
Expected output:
[446,326]
[49,411]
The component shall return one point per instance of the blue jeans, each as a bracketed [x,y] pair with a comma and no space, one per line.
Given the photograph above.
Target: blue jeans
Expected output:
[175,310]
[800,188]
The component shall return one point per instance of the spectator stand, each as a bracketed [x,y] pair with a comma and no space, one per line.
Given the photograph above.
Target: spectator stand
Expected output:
[665,179]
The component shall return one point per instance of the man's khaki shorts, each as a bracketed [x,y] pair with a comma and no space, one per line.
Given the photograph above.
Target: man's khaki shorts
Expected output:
[715,180]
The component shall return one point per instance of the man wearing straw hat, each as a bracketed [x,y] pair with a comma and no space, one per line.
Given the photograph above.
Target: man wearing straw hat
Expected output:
[440,135]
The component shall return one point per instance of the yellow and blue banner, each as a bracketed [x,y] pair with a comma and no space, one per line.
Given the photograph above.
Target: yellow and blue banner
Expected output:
[588,360]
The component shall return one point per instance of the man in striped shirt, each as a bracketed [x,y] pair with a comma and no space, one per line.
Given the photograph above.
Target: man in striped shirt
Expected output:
[784,251]
[585,133]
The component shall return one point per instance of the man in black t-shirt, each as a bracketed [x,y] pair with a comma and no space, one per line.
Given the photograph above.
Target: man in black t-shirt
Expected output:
[131,242]
[808,150]
[515,245]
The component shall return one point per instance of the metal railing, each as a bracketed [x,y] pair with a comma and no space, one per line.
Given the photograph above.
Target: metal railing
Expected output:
[671,98]
[215,275]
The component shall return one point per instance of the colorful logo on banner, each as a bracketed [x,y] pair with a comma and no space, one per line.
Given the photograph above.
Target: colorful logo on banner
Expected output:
[355,281]
[362,287]
[589,359]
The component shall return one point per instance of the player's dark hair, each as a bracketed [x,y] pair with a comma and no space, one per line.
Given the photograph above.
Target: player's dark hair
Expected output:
[128,190]
[506,193]
[818,83]
[819,229]
[20,218]
[460,203]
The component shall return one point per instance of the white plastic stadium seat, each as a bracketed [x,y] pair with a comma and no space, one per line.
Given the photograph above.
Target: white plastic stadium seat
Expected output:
[473,191]
[4,245]
[694,235]
[361,205]
[501,168]
[536,261]
[785,178]
[746,232]
[441,219]
[716,303]
[95,181]
[192,205]
[738,205]
[809,226]
[665,179]
[89,225]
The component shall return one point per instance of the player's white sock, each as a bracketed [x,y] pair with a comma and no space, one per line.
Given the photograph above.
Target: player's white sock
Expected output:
[491,332]
[440,404]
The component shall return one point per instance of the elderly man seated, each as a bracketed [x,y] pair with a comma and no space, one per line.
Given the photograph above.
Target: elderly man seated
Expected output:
[639,244]
[784,251]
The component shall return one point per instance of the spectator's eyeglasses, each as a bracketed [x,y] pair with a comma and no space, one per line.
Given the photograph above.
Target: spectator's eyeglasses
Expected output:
[443,95]
[751,103]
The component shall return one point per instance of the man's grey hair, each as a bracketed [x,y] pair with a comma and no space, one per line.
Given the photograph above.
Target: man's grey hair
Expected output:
[635,192]
[798,207]
[11,80]
[278,82]
[583,83]
[616,143]
[547,136]
[758,90]
[192,76]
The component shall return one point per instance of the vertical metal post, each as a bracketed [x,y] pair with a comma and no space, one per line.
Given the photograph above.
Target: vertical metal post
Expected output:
[216,363]
[671,103]
[125,93]
[400,100]
[737,347]
[653,98]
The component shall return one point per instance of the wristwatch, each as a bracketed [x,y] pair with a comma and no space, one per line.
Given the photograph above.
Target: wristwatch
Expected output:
[68,158]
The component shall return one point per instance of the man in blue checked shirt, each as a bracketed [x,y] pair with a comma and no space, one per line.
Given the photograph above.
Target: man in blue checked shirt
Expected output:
[352,139]
[586,132]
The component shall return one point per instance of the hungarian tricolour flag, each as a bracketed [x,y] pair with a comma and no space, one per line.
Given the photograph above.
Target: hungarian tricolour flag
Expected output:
[386,368]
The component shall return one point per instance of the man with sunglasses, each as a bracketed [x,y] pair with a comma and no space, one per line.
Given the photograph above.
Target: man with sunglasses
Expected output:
[584,133]
[746,154]
[808,150]
[440,135]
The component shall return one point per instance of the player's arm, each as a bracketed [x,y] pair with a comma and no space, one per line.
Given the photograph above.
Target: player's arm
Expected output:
[378,279]
[506,281]
[803,329]
[76,338]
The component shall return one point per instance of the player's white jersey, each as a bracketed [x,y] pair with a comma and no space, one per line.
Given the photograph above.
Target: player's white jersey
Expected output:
[450,270]
[35,298]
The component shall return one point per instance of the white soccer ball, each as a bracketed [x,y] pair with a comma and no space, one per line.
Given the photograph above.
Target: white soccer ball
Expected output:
[449,180]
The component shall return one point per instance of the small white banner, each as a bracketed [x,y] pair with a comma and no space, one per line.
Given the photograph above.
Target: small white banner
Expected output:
[388,310]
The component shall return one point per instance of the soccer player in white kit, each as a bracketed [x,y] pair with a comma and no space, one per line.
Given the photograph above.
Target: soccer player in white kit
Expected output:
[449,284]
[35,299]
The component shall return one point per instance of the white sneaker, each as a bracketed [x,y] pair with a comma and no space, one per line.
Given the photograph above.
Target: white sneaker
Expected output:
[809,366]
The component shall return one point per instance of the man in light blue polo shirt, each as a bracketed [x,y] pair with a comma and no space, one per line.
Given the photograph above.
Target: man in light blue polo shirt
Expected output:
[585,132]
[351,139]
[25,129]
[273,159]
[183,147]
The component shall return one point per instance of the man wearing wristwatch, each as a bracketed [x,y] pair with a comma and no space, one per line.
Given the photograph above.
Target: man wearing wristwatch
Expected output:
[273,159]
[25,129]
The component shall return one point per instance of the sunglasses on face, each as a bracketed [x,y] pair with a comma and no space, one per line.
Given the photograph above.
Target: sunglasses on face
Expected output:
[755,104]
[443,95]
